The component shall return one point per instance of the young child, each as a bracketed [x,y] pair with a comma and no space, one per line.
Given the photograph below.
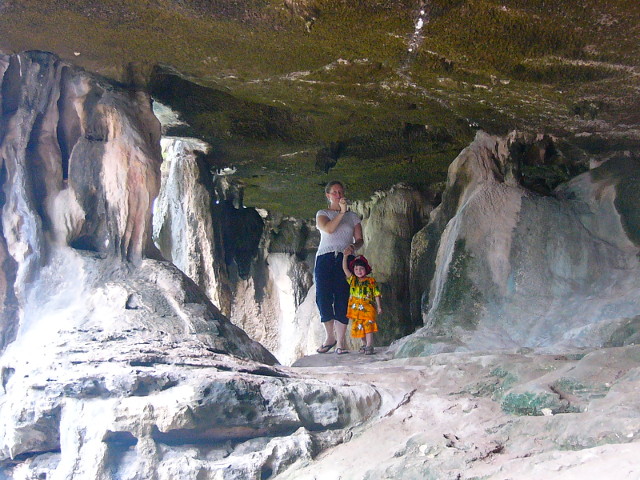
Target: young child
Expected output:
[364,301]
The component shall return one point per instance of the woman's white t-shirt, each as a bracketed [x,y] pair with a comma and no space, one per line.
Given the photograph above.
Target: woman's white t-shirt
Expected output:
[342,236]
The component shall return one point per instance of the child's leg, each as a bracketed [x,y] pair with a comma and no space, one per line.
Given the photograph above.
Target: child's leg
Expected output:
[369,339]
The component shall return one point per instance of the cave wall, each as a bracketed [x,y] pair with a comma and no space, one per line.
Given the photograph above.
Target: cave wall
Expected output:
[189,220]
[390,220]
[79,162]
[501,266]
[504,261]
[255,265]
[114,363]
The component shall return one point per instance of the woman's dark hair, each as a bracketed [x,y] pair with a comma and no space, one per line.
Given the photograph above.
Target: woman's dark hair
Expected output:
[327,188]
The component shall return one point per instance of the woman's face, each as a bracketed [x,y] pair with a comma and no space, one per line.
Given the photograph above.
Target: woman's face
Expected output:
[336,192]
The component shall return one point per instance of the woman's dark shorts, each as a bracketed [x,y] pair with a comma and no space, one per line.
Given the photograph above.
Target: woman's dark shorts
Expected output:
[332,289]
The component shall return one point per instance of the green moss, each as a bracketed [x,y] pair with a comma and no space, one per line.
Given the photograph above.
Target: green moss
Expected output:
[499,382]
[333,71]
[460,299]
[507,380]
[628,333]
[561,74]
[577,388]
[625,174]
[628,205]
[423,346]
[582,442]
[532,404]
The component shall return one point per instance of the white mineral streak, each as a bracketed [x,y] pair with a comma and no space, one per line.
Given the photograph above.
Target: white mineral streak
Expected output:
[289,335]
[183,225]
[443,263]
[166,116]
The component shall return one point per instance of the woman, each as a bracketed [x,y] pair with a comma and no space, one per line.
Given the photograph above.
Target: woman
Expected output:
[340,231]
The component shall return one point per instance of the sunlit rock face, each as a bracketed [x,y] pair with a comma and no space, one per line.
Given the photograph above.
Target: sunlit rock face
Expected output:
[189,221]
[256,266]
[80,163]
[499,266]
[114,364]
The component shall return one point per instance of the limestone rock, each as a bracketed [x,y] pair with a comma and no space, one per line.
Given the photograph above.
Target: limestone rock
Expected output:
[266,274]
[115,364]
[443,416]
[131,406]
[389,222]
[188,220]
[256,266]
[499,266]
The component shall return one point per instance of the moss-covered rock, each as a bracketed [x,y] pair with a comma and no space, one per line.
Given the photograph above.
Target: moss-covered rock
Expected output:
[461,299]
[535,404]
[271,79]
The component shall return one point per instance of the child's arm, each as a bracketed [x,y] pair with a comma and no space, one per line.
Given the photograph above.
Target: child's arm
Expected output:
[376,293]
[345,267]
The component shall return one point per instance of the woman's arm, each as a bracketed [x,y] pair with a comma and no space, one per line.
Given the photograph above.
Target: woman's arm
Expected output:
[323,223]
[358,241]
[329,226]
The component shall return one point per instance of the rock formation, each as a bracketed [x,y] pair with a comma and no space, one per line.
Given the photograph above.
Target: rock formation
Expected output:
[256,266]
[389,222]
[492,415]
[499,266]
[115,364]
[494,255]
[265,287]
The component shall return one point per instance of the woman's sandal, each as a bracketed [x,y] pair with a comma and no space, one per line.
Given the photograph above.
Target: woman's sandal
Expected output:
[326,348]
[341,351]
[363,349]
[368,351]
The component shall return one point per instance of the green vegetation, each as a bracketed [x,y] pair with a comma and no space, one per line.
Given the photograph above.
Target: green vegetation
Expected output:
[627,200]
[533,404]
[583,391]
[628,333]
[499,381]
[291,81]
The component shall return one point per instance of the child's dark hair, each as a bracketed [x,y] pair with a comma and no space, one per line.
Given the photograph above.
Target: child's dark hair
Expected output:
[360,261]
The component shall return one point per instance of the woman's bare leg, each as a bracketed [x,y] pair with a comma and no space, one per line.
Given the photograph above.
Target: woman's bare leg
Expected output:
[330,332]
[340,331]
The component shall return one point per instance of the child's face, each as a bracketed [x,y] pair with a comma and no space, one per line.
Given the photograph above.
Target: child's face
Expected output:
[359,271]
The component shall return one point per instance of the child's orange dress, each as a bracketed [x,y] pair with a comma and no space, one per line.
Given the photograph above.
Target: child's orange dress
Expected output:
[362,305]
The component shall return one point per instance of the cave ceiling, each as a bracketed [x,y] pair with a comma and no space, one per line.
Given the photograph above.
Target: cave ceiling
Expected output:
[292,93]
